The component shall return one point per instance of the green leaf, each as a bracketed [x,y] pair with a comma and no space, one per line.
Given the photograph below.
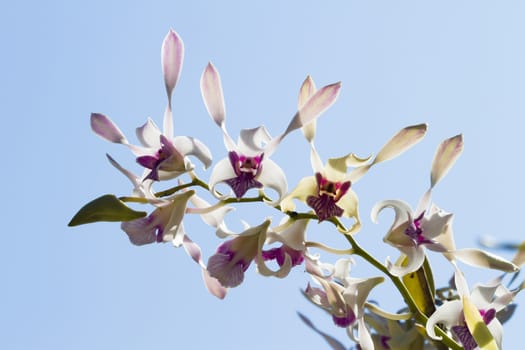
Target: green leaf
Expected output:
[105,208]
[420,284]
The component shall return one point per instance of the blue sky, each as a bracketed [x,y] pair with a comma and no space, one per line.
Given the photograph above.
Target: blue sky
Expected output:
[458,66]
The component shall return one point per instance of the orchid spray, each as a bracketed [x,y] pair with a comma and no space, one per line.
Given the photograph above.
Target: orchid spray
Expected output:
[450,317]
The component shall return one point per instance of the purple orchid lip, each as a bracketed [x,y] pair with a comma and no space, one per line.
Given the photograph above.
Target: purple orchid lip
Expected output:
[415,232]
[328,194]
[246,170]
[346,320]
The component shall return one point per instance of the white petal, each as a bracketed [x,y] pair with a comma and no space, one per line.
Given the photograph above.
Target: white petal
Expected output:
[105,128]
[272,176]
[364,337]
[446,155]
[316,105]
[399,143]
[252,141]
[435,225]
[449,314]
[403,213]
[190,146]
[167,125]
[415,258]
[223,170]
[315,160]
[480,258]
[306,91]
[306,187]
[172,57]
[211,90]
[149,134]
[214,218]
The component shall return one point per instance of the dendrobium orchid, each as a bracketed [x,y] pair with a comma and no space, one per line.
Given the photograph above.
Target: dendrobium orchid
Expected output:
[162,225]
[248,165]
[344,298]
[410,233]
[480,306]
[414,230]
[292,251]
[162,155]
[234,256]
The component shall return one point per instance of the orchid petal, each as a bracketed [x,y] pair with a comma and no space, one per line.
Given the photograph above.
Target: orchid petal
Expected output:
[306,91]
[315,160]
[214,218]
[293,236]
[364,337]
[172,57]
[336,167]
[396,234]
[191,146]
[272,176]
[349,203]
[446,155]
[139,188]
[105,128]
[306,187]
[358,293]
[480,258]
[211,90]
[398,144]
[221,172]
[212,284]
[167,124]
[415,258]
[141,231]
[448,314]
[251,141]
[434,225]
[316,105]
[149,134]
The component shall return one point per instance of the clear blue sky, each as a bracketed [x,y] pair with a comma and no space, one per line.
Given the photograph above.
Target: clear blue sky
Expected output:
[457,65]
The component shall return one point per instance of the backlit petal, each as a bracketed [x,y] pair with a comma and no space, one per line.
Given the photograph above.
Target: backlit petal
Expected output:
[480,258]
[272,176]
[172,56]
[449,314]
[306,187]
[191,146]
[105,128]
[445,157]
[222,171]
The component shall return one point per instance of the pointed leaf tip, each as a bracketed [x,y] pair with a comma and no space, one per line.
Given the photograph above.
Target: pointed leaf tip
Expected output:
[105,208]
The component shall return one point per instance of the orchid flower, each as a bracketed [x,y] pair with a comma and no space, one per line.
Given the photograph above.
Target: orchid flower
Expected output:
[329,191]
[292,251]
[162,225]
[474,310]
[344,298]
[234,256]
[248,164]
[432,228]
[163,155]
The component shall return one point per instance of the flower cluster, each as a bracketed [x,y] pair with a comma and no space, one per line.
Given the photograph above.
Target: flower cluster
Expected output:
[432,318]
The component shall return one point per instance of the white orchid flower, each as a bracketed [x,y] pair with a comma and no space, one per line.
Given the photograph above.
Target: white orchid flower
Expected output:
[344,298]
[328,192]
[412,231]
[248,165]
[475,309]
[163,155]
